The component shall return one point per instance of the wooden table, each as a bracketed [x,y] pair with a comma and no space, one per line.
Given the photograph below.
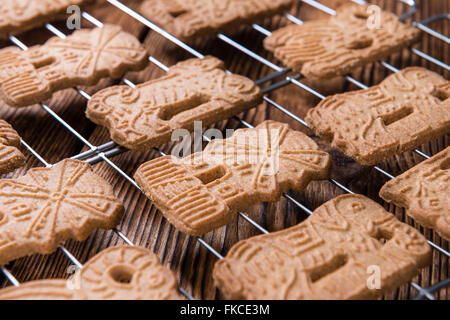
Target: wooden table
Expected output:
[143,224]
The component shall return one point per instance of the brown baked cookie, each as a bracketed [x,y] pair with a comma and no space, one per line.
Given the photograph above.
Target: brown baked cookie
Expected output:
[339,45]
[203,192]
[188,19]
[117,273]
[194,90]
[17,16]
[408,109]
[337,253]
[10,156]
[50,205]
[83,58]
[424,191]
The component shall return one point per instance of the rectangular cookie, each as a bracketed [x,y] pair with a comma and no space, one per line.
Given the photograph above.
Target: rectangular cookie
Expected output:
[117,273]
[17,16]
[11,157]
[334,254]
[202,192]
[337,46]
[406,110]
[50,205]
[189,19]
[193,90]
[83,58]
[425,191]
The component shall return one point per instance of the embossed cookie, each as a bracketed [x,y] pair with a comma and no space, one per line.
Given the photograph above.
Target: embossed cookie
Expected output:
[424,191]
[344,42]
[117,273]
[10,156]
[331,255]
[83,58]
[202,192]
[194,90]
[188,19]
[17,16]
[408,109]
[50,205]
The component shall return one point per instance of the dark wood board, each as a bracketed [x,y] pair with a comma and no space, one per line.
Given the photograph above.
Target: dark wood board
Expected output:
[142,223]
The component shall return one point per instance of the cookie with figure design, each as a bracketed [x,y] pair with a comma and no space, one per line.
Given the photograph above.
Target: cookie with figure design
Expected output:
[203,192]
[193,90]
[10,156]
[17,16]
[337,46]
[331,255]
[406,110]
[83,58]
[117,273]
[50,205]
[424,191]
[189,19]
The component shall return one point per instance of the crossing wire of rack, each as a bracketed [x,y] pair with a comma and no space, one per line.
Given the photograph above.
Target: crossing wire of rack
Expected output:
[97,154]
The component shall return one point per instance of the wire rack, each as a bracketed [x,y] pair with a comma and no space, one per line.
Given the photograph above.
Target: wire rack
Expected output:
[104,152]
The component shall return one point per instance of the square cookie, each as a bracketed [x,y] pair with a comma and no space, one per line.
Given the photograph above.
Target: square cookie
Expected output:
[425,192]
[202,192]
[336,46]
[334,254]
[406,110]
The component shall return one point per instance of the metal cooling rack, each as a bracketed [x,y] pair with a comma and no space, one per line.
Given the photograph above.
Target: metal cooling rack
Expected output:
[101,153]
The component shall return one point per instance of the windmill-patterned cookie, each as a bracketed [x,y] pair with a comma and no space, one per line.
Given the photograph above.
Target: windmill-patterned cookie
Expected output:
[83,58]
[350,248]
[194,90]
[117,273]
[406,110]
[17,16]
[339,45]
[10,156]
[50,205]
[203,192]
[424,191]
[188,19]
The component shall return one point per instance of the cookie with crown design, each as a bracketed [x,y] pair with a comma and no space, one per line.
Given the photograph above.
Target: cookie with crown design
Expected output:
[194,90]
[190,19]
[406,110]
[50,205]
[17,16]
[203,191]
[117,273]
[331,255]
[10,156]
[83,58]
[424,191]
[337,46]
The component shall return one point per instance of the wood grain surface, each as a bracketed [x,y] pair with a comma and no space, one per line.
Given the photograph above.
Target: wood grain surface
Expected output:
[143,224]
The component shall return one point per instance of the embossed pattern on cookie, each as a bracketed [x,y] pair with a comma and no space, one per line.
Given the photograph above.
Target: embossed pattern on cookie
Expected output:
[194,90]
[83,58]
[406,110]
[202,192]
[188,19]
[339,45]
[117,273]
[424,191]
[10,156]
[50,205]
[328,256]
[17,16]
